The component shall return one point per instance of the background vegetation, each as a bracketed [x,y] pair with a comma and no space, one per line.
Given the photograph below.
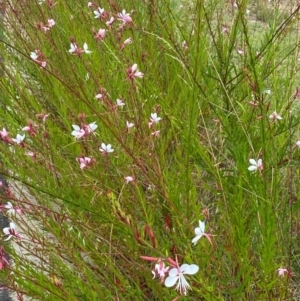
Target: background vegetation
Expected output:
[214,72]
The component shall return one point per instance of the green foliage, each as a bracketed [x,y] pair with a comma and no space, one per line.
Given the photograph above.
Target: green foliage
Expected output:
[214,76]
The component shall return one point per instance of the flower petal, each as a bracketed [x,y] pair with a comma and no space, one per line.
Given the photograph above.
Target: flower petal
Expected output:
[6,230]
[193,269]
[173,272]
[202,226]
[252,161]
[195,239]
[75,127]
[198,231]
[170,281]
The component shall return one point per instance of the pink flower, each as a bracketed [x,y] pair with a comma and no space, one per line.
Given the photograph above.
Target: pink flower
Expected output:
[42,116]
[133,72]
[160,271]
[240,51]
[224,29]
[129,125]
[185,45]
[124,17]
[11,232]
[77,132]
[126,42]
[3,134]
[283,271]
[155,134]
[129,179]
[91,127]
[38,57]
[177,275]
[31,154]
[3,261]
[84,161]
[110,22]
[30,129]
[274,117]
[101,34]
[45,28]
[99,96]
[90,4]
[85,130]
[51,23]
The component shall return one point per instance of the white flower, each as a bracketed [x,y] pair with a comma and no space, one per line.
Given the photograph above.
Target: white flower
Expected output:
[11,231]
[19,139]
[30,154]
[297,143]
[51,23]
[106,148]
[177,274]
[274,116]
[12,210]
[85,48]
[98,12]
[73,48]
[255,165]
[127,41]
[77,132]
[199,232]
[120,103]
[129,125]
[92,127]
[154,118]
[34,56]
[110,22]
[135,73]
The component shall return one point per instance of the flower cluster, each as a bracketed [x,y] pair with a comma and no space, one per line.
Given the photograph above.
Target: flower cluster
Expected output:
[38,57]
[46,27]
[175,273]
[11,232]
[75,50]
[79,132]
